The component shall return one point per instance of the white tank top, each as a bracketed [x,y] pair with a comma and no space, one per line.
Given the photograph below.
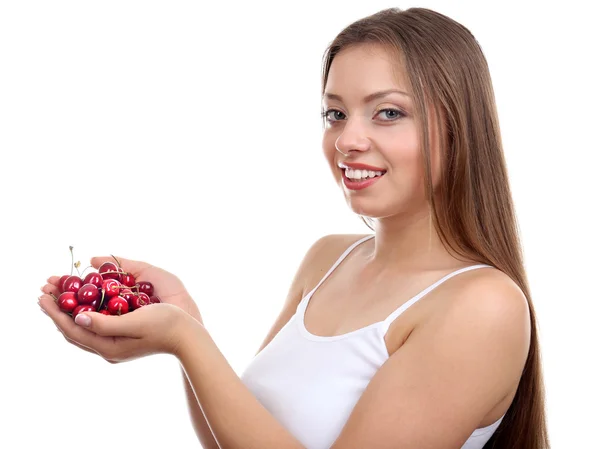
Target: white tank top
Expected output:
[311,383]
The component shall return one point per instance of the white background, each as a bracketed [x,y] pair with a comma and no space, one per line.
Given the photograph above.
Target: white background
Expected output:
[189,135]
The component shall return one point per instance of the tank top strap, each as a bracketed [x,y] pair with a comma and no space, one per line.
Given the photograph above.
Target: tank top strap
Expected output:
[385,324]
[333,267]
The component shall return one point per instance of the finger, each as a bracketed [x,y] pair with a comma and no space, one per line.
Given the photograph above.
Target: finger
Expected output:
[85,348]
[80,346]
[110,325]
[50,289]
[53,280]
[134,267]
[74,343]
[72,331]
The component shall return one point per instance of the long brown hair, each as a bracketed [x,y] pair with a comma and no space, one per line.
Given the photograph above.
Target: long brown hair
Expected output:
[446,68]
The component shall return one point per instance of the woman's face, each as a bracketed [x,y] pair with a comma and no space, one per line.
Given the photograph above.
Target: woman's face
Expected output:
[381,132]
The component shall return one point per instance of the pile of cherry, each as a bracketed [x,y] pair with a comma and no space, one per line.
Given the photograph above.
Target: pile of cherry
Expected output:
[110,291]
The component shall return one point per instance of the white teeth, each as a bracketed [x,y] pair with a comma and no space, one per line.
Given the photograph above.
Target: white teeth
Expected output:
[362,174]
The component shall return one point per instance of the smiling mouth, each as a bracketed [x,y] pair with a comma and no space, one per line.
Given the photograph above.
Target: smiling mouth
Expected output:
[383,172]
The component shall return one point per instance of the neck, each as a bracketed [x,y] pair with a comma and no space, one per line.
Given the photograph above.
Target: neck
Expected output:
[407,244]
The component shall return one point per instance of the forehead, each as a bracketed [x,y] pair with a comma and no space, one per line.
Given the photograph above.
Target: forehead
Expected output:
[359,70]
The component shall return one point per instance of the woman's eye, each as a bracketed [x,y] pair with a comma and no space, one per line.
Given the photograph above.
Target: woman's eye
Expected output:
[329,111]
[396,111]
[398,114]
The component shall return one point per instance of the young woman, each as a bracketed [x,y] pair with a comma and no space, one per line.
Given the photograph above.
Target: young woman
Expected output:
[420,335]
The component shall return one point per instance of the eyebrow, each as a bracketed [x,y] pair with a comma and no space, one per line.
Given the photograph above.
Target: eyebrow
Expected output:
[370,97]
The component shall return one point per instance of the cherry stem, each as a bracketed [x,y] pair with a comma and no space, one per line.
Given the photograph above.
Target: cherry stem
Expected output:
[101,300]
[72,260]
[77,270]
[55,298]
[119,265]
[83,272]
[116,272]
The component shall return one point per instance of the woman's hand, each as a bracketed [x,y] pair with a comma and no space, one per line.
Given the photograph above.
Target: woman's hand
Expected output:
[167,287]
[151,329]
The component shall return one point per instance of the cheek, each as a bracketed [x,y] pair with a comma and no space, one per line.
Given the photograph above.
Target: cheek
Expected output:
[404,154]
[407,167]
[328,143]
[329,151]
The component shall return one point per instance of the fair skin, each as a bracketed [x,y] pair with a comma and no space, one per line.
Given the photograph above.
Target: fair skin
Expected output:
[367,133]
[456,367]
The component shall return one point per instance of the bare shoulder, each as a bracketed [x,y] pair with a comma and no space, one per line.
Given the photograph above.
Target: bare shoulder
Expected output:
[460,369]
[489,297]
[327,250]
[317,259]
[498,296]
[490,288]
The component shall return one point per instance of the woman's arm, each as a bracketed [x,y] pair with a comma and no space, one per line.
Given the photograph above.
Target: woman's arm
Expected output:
[470,346]
[201,427]
[294,296]
[203,432]
[237,419]
[451,372]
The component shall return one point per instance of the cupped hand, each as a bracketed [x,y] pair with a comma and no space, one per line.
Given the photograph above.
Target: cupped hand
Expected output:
[167,286]
[151,329]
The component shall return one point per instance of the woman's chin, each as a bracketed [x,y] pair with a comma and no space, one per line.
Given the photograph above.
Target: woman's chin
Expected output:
[364,210]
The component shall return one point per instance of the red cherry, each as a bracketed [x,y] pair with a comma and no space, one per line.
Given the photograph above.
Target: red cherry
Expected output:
[118,305]
[132,299]
[104,312]
[154,300]
[72,284]
[111,288]
[127,294]
[137,301]
[87,294]
[82,308]
[144,298]
[146,287]
[94,278]
[95,303]
[109,270]
[67,301]
[61,282]
[128,279]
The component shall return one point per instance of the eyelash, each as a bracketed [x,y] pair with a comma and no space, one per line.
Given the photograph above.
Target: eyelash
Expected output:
[401,114]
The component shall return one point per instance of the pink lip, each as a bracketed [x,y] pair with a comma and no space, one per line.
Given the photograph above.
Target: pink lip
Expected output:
[359,166]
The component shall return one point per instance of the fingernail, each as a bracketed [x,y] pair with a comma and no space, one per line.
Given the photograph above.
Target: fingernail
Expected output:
[83,320]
